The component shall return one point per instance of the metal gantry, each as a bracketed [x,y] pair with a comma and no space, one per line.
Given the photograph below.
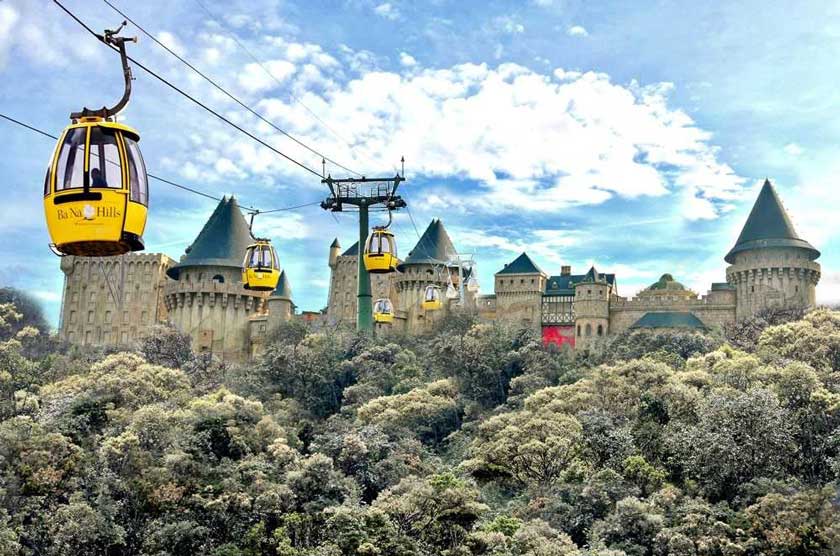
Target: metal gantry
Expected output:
[365,194]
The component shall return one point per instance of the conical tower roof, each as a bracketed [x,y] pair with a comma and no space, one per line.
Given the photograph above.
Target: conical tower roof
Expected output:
[434,247]
[221,242]
[283,289]
[769,226]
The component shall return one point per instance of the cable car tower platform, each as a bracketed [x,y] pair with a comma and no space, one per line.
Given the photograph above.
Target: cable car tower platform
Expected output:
[364,194]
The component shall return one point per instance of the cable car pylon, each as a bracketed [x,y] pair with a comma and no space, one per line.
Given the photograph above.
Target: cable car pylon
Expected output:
[364,193]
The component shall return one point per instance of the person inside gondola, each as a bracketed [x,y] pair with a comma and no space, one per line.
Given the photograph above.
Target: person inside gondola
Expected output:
[96,178]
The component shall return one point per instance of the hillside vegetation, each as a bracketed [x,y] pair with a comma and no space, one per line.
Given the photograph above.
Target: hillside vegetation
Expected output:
[472,441]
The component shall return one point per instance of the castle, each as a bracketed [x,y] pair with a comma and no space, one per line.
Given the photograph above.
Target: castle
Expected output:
[770,266]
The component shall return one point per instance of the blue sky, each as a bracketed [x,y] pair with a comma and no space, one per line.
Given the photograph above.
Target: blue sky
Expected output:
[632,136]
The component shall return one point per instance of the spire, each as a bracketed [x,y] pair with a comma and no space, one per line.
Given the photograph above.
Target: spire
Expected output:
[434,247]
[335,244]
[769,225]
[521,265]
[283,289]
[221,242]
[352,251]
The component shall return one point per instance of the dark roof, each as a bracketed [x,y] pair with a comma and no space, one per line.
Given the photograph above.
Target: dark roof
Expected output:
[434,247]
[521,265]
[335,243]
[221,242]
[283,288]
[565,285]
[768,225]
[722,286]
[669,319]
[353,251]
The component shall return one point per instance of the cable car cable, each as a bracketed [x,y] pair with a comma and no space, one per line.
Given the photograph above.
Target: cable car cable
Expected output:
[228,94]
[164,180]
[190,97]
[268,72]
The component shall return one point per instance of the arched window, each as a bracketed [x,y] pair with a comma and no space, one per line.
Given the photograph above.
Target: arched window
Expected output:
[219,279]
[578,331]
[600,330]
[589,330]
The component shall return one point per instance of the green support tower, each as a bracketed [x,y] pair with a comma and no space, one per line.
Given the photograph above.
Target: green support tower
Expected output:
[366,194]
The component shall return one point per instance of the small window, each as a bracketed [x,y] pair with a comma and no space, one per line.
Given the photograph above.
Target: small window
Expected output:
[219,279]
[578,331]
[138,186]
[107,317]
[589,330]
[104,164]
[90,317]
[600,330]
[796,289]
[588,292]
[752,289]
[71,161]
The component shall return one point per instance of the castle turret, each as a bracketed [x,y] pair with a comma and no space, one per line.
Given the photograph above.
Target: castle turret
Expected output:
[206,298]
[770,265]
[591,307]
[335,249]
[280,306]
[427,264]
[519,290]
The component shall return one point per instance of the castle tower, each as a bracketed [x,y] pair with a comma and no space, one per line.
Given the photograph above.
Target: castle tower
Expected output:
[770,265]
[280,306]
[335,249]
[519,290]
[426,264]
[206,298]
[591,308]
[344,270]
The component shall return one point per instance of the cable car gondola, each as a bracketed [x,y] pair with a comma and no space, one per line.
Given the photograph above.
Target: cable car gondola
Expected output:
[381,252]
[96,189]
[383,311]
[260,269]
[431,298]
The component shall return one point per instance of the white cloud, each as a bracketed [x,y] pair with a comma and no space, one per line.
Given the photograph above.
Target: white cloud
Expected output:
[172,43]
[516,139]
[577,31]
[407,60]
[255,78]
[793,149]
[387,10]
[508,25]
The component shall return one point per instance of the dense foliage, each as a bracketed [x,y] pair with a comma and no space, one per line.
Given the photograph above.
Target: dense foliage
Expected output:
[475,440]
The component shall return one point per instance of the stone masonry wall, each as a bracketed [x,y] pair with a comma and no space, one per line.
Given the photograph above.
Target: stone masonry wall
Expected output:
[90,314]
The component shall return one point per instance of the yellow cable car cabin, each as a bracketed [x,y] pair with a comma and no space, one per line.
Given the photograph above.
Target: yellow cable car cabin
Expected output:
[96,191]
[381,252]
[383,311]
[260,270]
[431,298]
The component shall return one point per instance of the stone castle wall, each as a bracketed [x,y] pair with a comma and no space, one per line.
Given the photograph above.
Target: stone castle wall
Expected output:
[716,309]
[112,301]
[519,297]
[211,305]
[341,308]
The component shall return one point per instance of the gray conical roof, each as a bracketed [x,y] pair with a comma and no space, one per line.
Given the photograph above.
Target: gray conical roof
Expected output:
[221,242]
[283,289]
[522,265]
[768,225]
[434,247]
[335,244]
[352,251]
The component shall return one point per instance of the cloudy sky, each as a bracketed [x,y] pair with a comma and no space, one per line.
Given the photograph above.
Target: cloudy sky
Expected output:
[581,132]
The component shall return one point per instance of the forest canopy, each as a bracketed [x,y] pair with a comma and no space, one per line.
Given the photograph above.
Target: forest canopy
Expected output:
[473,440]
